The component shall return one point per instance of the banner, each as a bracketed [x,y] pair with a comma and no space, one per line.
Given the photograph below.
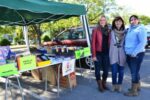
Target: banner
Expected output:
[8,69]
[68,67]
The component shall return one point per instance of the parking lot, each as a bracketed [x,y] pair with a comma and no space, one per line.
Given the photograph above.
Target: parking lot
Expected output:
[86,88]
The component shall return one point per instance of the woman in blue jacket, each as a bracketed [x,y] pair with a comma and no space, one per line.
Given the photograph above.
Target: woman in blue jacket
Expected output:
[135,42]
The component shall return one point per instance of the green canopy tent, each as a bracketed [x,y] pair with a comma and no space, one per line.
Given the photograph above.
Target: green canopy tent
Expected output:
[36,11]
[27,12]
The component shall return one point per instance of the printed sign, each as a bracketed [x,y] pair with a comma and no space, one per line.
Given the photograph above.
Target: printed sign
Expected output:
[68,67]
[27,62]
[79,53]
[8,69]
[87,52]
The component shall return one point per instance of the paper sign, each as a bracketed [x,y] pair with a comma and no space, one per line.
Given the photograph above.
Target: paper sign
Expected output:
[8,69]
[68,67]
[87,52]
[27,62]
[79,54]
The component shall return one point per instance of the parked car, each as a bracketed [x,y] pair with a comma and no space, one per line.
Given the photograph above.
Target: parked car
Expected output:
[148,38]
[70,37]
[148,35]
[73,37]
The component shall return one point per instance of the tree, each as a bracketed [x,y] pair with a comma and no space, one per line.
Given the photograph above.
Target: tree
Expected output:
[5,42]
[7,29]
[55,27]
[46,38]
[95,8]
[144,19]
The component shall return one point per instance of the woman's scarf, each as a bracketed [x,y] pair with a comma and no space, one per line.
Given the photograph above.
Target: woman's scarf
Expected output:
[105,30]
[119,35]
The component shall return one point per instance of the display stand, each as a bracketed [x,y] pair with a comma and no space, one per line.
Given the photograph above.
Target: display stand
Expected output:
[83,53]
[7,71]
[81,71]
[25,64]
[58,81]
[58,77]
[8,86]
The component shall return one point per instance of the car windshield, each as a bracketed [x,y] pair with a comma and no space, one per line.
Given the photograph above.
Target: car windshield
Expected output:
[73,34]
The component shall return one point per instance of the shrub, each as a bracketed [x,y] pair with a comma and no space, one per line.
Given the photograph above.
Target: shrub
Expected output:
[5,42]
[46,38]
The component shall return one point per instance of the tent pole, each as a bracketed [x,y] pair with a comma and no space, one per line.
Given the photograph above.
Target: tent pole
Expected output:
[88,37]
[25,31]
[86,29]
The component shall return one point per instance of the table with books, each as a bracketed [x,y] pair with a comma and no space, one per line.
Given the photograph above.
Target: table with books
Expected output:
[14,67]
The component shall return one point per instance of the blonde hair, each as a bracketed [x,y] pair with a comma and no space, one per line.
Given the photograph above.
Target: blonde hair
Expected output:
[102,16]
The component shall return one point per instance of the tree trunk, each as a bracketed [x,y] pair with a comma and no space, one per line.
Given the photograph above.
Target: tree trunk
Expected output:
[38,31]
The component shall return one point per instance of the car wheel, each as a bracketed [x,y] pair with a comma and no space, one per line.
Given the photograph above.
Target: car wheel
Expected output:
[89,62]
[85,63]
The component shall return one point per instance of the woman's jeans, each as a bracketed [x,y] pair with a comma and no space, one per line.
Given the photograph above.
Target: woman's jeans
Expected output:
[117,73]
[102,63]
[134,64]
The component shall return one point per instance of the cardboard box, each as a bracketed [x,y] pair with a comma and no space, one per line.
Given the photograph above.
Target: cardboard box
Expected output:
[64,81]
[51,75]
[36,74]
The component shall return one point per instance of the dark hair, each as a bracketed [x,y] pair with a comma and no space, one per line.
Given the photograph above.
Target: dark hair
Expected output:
[134,16]
[116,19]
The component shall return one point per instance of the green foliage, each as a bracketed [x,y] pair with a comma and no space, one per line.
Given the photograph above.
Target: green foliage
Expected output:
[16,40]
[4,42]
[145,19]
[46,38]
[95,8]
[56,27]
[7,29]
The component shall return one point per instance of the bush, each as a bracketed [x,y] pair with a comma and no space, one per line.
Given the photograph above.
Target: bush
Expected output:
[16,40]
[4,42]
[46,38]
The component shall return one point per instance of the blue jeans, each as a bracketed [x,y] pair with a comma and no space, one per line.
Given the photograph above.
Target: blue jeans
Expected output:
[117,73]
[102,63]
[134,64]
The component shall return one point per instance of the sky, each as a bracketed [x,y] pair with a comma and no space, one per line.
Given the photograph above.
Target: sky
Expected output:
[137,6]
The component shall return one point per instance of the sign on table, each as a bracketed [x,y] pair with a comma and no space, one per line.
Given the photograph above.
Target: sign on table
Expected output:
[68,67]
[8,69]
